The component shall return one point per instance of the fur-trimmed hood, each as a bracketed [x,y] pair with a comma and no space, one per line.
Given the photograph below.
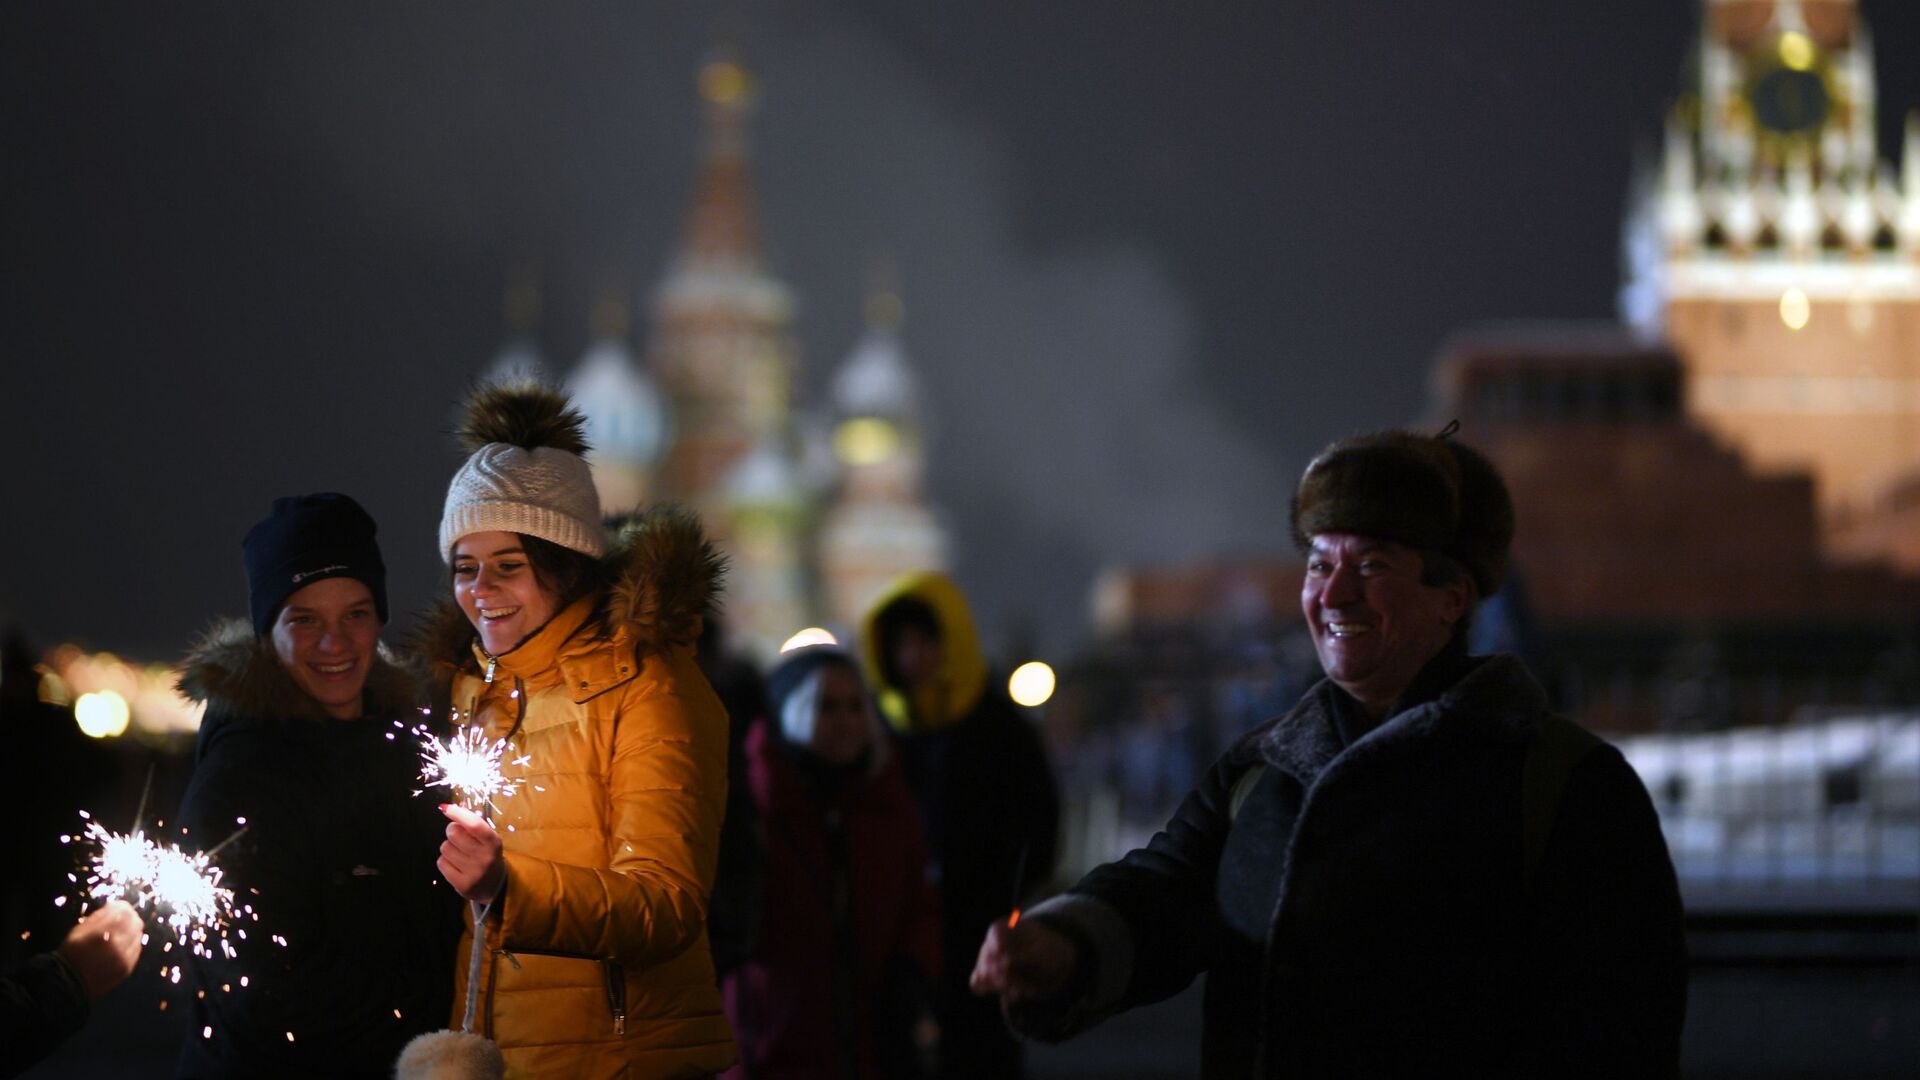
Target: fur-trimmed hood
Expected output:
[238,676]
[665,582]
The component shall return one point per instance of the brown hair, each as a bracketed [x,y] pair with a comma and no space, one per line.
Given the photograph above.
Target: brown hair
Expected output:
[562,571]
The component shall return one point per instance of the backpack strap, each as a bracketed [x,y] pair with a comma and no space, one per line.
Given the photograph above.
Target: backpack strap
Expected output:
[1558,746]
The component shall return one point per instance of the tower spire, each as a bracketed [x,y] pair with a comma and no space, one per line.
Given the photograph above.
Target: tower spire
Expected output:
[723,228]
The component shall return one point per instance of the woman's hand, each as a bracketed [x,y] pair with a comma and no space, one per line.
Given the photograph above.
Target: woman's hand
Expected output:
[470,857]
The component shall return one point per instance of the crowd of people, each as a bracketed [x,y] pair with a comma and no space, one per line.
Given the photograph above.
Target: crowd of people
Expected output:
[819,871]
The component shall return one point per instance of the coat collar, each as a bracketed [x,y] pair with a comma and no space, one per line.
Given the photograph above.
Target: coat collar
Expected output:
[1497,701]
[236,674]
[665,581]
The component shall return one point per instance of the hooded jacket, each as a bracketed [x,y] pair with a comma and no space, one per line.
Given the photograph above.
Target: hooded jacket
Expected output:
[1363,907]
[980,777]
[336,861]
[850,915]
[596,955]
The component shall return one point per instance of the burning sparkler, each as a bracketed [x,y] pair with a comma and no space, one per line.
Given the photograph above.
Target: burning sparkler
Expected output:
[180,888]
[468,766]
[1019,873]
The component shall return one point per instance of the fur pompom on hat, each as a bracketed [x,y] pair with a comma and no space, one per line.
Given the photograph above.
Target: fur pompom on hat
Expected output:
[526,473]
[1424,491]
[450,1055]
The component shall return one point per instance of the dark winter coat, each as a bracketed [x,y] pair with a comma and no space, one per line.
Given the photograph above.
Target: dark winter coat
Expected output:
[1362,912]
[851,919]
[42,1002]
[980,777]
[338,859]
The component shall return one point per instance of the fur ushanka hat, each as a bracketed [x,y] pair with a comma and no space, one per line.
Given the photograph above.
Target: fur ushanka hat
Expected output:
[1424,491]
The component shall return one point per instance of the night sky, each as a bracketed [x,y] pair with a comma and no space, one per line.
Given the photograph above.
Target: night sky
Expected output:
[1153,255]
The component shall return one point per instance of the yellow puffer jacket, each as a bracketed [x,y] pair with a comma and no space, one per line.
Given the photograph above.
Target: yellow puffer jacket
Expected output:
[596,961]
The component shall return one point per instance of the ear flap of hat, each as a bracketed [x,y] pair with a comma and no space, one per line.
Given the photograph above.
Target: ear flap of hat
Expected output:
[1485,533]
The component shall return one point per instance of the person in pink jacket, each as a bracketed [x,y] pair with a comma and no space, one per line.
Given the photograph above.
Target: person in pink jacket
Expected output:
[851,931]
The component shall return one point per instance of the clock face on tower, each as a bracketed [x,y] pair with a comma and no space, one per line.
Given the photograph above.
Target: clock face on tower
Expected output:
[1789,102]
[1787,86]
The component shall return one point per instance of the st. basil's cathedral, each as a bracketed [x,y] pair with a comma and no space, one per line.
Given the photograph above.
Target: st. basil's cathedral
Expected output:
[818,505]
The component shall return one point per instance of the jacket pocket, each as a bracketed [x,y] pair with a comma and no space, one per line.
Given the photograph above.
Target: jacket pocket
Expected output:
[551,997]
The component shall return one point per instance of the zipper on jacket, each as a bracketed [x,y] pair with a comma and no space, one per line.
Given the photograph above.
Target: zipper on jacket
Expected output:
[511,959]
[616,994]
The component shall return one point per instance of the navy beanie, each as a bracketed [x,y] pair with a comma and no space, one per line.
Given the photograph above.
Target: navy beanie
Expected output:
[309,538]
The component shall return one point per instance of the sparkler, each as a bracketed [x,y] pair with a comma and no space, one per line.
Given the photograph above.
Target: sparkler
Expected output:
[1019,871]
[182,889]
[468,766]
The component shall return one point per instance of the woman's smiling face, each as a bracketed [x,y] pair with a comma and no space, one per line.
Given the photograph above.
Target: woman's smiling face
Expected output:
[494,584]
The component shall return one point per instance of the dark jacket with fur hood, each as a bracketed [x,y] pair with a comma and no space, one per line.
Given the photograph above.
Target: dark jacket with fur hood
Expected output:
[337,859]
[596,956]
[1362,911]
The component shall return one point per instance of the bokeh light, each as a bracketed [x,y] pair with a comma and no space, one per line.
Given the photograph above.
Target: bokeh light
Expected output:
[865,440]
[102,714]
[1031,684]
[812,635]
[1795,309]
[1796,50]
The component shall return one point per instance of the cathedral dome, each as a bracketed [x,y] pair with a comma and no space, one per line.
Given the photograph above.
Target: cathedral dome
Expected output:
[875,381]
[626,420]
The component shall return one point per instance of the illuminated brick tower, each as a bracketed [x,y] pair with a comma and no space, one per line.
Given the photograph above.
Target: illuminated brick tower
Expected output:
[1780,254]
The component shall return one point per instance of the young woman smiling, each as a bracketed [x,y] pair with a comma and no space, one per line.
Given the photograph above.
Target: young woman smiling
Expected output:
[298,744]
[577,648]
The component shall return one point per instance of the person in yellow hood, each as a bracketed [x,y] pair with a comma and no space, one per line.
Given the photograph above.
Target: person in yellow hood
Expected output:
[592,879]
[983,786]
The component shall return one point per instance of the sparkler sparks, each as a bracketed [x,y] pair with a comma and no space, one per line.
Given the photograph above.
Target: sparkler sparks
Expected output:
[180,888]
[468,766]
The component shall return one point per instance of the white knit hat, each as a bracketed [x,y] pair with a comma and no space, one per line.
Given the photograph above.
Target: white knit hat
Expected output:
[523,483]
[543,492]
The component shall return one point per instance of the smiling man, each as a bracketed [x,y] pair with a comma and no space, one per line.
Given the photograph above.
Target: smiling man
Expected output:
[1420,869]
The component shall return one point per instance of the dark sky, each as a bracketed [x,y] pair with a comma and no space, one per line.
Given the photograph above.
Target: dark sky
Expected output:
[1153,255]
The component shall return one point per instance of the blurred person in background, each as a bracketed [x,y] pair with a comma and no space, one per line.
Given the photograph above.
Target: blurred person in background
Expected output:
[852,925]
[304,741]
[47,998]
[52,772]
[986,795]
[734,915]
[1420,869]
[588,935]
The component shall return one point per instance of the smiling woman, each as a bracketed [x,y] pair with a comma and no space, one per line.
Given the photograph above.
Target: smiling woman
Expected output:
[588,955]
[298,744]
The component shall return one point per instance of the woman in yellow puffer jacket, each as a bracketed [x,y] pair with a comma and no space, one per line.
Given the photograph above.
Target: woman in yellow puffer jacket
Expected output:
[577,648]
